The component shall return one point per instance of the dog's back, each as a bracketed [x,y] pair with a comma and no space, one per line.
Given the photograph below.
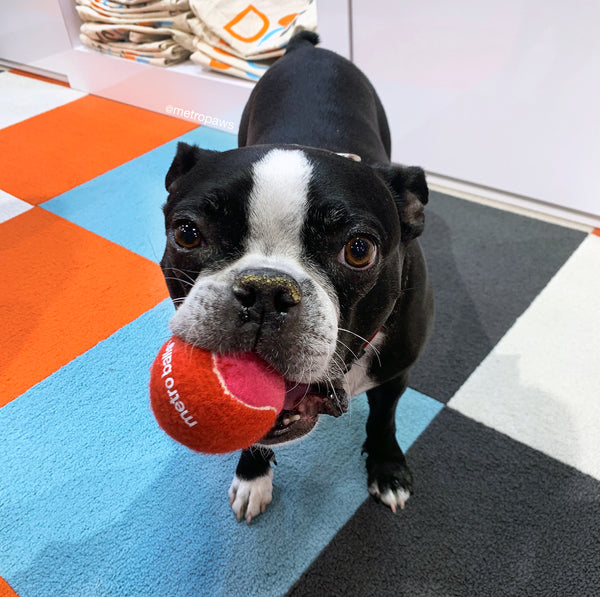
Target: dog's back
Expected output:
[334,105]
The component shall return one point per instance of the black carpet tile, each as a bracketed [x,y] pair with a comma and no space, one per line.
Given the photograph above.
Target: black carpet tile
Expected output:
[487,265]
[490,516]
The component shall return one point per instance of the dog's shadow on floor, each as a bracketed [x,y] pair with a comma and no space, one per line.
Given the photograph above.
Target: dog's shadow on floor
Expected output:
[459,341]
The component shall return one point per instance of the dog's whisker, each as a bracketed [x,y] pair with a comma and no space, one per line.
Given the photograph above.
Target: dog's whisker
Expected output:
[306,393]
[190,284]
[346,346]
[333,390]
[376,351]
[339,364]
[187,274]
[294,387]
[351,332]
[368,343]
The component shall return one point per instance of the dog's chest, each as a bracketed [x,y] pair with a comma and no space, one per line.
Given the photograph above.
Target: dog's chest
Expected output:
[358,379]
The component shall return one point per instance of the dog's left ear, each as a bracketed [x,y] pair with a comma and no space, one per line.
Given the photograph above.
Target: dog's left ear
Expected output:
[409,187]
[185,159]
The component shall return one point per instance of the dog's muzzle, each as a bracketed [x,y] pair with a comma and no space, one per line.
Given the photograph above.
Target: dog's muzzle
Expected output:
[268,297]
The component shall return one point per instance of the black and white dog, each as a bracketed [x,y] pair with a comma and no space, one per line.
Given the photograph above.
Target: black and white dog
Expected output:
[300,246]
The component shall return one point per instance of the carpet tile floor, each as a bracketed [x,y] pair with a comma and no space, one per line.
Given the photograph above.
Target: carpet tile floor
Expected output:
[501,424]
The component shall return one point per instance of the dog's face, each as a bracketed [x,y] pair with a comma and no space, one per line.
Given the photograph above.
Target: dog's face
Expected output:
[292,253]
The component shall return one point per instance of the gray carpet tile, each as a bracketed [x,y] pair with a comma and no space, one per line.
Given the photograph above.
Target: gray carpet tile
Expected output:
[490,516]
[487,265]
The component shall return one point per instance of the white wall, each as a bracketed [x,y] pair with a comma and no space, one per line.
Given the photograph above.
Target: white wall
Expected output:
[500,94]
[32,32]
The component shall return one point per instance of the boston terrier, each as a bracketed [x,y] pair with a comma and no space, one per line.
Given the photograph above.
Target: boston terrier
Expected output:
[301,246]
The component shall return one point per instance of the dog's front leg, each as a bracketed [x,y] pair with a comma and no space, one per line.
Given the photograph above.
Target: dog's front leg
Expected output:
[252,488]
[389,478]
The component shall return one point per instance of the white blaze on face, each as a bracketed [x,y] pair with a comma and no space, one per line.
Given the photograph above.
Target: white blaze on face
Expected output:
[277,211]
[278,204]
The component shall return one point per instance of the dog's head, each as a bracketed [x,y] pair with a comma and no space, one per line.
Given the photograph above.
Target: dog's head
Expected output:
[291,252]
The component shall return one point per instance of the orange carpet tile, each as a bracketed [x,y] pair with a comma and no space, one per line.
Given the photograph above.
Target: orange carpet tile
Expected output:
[53,152]
[64,289]
[5,590]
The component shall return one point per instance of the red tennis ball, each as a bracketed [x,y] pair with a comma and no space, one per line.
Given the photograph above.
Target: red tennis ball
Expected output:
[214,403]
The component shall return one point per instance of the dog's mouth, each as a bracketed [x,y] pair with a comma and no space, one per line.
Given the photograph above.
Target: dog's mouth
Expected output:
[301,409]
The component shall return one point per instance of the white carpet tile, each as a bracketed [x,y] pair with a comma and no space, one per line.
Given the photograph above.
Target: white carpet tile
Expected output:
[541,383]
[11,206]
[24,97]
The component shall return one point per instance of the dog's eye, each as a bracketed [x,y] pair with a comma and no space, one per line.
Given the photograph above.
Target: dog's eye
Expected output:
[359,253]
[187,235]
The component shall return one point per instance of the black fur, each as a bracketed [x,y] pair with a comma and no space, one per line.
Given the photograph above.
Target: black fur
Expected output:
[254,462]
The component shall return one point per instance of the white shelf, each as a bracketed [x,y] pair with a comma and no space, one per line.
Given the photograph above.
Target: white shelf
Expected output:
[187,86]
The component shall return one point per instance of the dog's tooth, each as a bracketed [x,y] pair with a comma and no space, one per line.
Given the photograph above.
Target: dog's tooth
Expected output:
[289,420]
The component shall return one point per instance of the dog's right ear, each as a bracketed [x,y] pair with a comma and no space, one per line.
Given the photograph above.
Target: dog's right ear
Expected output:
[409,187]
[186,158]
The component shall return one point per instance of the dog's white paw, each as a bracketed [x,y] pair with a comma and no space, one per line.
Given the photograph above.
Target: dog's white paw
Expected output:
[393,498]
[248,499]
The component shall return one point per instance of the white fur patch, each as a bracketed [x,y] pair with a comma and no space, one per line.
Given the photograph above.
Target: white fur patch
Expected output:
[357,380]
[392,499]
[278,203]
[248,499]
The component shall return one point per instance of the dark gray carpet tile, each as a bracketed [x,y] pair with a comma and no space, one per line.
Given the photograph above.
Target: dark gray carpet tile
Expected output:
[489,517]
[487,265]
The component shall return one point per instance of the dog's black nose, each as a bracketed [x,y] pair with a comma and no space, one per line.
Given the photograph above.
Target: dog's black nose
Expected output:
[267,290]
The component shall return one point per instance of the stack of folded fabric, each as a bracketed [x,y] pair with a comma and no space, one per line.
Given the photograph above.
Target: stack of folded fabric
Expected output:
[152,31]
[229,36]
[242,39]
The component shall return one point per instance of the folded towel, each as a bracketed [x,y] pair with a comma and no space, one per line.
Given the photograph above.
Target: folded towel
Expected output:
[150,31]
[228,36]
[119,8]
[243,39]
[252,30]
[111,33]
[159,53]
[221,61]
[177,20]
